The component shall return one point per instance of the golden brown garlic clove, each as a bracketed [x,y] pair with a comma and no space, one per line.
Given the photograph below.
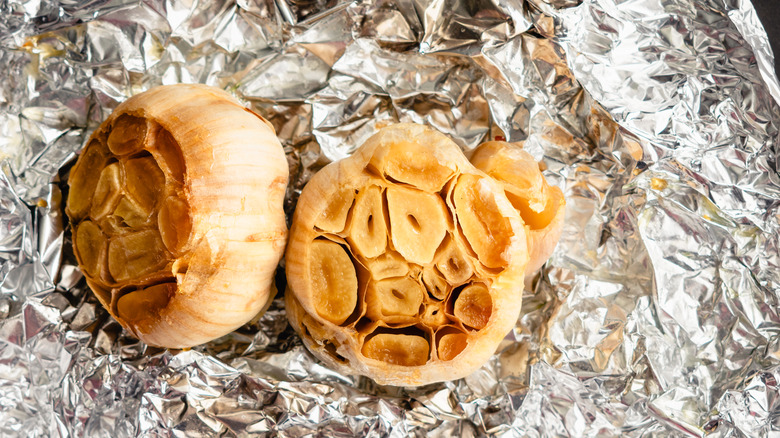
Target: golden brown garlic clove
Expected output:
[422,224]
[405,350]
[435,283]
[127,134]
[453,264]
[389,264]
[84,177]
[451,344]
[473,306]
[541,205]
[177,214]
[486,229]
[333,281]
[368,229]
[393,299]
[108,191]
[419,223]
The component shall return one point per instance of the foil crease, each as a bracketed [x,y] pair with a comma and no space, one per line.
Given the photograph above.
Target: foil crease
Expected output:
[656,316]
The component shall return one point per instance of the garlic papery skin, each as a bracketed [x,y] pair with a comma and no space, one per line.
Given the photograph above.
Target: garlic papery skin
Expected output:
[405,263]
[176,207]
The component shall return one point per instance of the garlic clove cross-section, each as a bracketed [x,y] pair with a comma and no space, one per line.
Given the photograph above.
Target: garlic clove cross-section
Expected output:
[176,206]
[541,205]
[405,263]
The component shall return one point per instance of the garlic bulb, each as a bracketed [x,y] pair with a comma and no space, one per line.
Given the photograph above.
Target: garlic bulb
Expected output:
[405,263]
[176,211]
[541,206]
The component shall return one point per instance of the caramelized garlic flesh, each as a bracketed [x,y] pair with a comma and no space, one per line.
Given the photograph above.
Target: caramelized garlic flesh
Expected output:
[541,205]
[405,264]
[176,211]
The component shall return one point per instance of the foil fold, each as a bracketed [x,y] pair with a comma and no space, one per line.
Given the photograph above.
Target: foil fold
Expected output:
[657,314]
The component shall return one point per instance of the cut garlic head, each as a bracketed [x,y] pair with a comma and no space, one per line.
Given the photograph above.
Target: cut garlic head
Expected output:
[176,211]
[405,263]
[541,205]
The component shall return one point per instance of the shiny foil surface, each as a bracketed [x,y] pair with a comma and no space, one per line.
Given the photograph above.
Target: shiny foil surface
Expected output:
[656,316]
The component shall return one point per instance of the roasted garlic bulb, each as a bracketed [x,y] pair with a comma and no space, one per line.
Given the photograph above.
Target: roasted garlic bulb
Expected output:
[176,210]
[541,205]
[405,263]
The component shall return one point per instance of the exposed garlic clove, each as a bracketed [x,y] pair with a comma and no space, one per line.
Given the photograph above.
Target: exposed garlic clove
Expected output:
[453,264]
[127,134]
[333,218]
[393,299]
[400,161]
[333,281]
[541,206]
[145,181]
[131,213]
[175,224]
[178,214]
[368,229]
[409,255]
[450,345]
[405,350]
[389,264]
[169,156]
[84,177]
[435,315]
[108,191]
[487,230]
[418,221]
[435,283]
[91,249]
[474,306]
[135,255]
[141,304]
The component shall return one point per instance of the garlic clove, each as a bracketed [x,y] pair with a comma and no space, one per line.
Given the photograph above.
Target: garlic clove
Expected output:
[435,283]
[453,264]
[334,281]
[541,206]
[131,213]
[145,303]
[175,224]
[418,221]
[145,181]
[368,229]
[168,154]
[473,306]
[435,315]
[400,161]
[393,299]
[486,228]
[108,191]
[127,135]
[135,255]
[406,350]
[91,247]
[333,218]
[84,177]
[388,264]
[450,345]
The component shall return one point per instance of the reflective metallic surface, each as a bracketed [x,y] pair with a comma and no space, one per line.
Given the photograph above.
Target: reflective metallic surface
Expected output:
[656,316]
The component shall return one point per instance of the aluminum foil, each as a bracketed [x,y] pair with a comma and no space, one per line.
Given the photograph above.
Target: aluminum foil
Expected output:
[656,316]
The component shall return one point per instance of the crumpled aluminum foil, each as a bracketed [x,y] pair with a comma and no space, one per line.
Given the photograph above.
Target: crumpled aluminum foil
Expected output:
[656,316]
